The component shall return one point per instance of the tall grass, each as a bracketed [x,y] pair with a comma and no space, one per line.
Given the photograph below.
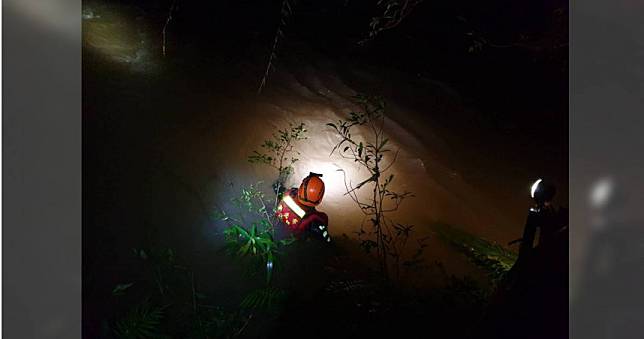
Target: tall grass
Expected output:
[493,258]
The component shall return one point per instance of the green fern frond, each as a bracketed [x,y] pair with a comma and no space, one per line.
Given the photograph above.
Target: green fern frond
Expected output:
[141,322]
[263,299]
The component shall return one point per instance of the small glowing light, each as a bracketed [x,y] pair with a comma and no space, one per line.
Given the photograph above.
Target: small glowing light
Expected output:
[601,192]
[325,234]
[295,220]
[534,187]
[293,206]
[321,227]
[269,265]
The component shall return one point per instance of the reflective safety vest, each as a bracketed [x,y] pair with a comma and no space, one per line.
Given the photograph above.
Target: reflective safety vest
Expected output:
[301,219]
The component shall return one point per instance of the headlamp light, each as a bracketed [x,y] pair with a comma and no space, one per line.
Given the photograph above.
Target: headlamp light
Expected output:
[534,187]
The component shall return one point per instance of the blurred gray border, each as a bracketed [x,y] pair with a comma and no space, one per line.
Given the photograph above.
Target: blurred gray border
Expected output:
[41,243]
[42,161]
[606,145]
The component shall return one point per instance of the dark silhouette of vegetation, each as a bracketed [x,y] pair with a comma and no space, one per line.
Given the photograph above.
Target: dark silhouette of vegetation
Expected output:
[548,42]
[142,321]
[167,303]
[286,12]
[251,232]
[279,153]
[394,12]
[164,32]
[388,237]
[493,258]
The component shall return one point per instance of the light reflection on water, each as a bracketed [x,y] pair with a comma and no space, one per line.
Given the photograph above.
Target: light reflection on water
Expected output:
[119,35]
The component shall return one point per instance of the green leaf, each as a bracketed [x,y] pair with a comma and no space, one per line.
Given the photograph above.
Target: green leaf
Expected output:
[383,143]
[120,288]
[242,232]
[244,249]
[287,241]
[142,321]
[264,299]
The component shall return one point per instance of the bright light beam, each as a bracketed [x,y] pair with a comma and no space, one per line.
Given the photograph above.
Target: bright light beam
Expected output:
[534,187]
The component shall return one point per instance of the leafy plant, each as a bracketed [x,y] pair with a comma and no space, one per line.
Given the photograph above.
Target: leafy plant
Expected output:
[394,12]
[163,267]
[173,307]
[251,232]
[279,153]
[120,288]
[547,42]
[494,259]
[263,299]
[389,238]
[142,321]
[215,322]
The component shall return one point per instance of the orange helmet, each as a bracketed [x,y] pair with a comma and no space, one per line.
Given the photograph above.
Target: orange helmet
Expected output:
[311,190]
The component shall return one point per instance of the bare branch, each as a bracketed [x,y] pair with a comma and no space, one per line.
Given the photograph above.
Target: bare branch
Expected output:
[167,22]
[286,10]
[392,161]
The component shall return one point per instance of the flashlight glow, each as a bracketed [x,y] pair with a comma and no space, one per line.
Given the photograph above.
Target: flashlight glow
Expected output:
[333,177]
[534,187]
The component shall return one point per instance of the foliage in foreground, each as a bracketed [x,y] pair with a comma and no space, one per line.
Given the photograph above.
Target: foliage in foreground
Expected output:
[167,303]
[142,321]
[250,232]
[373,154]
[279,153]
[250,238]
[494,259]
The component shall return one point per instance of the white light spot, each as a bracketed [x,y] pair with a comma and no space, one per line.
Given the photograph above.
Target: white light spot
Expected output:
[601,192]
[325,234]
[534,187]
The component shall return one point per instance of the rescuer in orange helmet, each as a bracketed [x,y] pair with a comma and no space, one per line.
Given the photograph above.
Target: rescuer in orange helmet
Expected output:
[297,209]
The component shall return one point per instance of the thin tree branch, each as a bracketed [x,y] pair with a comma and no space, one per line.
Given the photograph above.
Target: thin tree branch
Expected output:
[167,22]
